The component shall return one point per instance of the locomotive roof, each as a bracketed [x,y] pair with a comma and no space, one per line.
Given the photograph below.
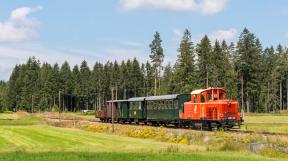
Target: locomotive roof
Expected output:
[198,91]
[135,99]
[163,97]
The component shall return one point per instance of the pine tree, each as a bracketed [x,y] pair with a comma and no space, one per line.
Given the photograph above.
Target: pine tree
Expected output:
[65,78]
[97,83]
[228,68]
[30,89]
[76,84]
[46,87]
[185,65]
[249,54]
[167,80]
[204,50]
[14,89]
[149,79]
[85,84]
[156,57]
[137,78]
[3,92]
[123,80]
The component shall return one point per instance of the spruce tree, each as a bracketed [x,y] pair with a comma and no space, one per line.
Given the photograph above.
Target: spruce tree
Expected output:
[76,90]
[248,63]
[185,65]
[205,67]
[85,84]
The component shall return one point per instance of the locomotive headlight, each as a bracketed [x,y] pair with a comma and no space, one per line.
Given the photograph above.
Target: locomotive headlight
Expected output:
[231,118]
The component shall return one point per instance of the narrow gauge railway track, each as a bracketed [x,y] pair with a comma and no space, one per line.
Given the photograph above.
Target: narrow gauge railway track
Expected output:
[232,131]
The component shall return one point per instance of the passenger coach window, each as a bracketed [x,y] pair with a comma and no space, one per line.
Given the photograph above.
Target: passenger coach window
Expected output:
[175,104]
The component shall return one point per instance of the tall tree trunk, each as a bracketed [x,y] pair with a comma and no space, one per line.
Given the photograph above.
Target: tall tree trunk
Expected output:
[99,101]
[248,103]
[135,93]
[159,79]
[268,98]
[155,82]
[124,94]
[116,92]
[281,106]
[207,77]
[145,90]
[242,93]
[287,93]
[54,101]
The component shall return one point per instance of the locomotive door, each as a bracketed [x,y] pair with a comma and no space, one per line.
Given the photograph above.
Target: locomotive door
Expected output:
[214,113]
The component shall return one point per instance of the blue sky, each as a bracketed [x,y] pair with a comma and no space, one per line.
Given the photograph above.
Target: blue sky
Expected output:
[95,30]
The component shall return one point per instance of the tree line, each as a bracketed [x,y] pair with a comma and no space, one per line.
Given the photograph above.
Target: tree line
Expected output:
[256,76]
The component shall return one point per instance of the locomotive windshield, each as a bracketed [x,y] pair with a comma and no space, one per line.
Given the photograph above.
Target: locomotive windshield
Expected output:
[210,94]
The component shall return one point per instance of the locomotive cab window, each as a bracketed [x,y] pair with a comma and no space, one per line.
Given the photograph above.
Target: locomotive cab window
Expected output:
[194,99]
[202,98]
[209,96]
[221,96]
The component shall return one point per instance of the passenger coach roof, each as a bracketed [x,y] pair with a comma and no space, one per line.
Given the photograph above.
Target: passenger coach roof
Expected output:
[163,97]
[117,101]
[135,99]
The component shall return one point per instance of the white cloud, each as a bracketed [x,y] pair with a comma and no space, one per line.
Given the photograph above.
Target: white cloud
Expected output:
[206,7]
[286,35]
[220,35]
[19,27]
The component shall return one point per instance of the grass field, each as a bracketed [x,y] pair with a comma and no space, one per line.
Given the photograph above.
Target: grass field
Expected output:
[29,138]
[266,122]
[88,156]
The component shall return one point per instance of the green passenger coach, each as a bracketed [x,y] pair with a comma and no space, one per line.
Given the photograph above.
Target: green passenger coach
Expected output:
[165,107]
[122,107]
[137,110]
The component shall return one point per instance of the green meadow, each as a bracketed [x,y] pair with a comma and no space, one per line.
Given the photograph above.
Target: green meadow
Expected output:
[30,138]
[266,122]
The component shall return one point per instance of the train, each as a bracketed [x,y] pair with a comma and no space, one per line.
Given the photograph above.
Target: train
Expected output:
[203,109]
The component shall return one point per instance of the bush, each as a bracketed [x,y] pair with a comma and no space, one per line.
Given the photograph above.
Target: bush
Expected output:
[55,108]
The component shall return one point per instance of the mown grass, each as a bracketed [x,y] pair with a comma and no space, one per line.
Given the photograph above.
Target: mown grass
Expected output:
[18,119]
[83,156]
[45,138]
[29,138]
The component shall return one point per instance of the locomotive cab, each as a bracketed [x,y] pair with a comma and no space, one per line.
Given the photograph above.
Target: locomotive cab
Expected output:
[211,107]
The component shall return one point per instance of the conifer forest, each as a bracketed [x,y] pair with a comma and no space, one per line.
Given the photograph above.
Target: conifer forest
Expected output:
[255,75]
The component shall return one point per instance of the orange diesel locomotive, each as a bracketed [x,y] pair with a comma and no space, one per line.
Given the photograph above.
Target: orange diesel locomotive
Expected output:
[210,108]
